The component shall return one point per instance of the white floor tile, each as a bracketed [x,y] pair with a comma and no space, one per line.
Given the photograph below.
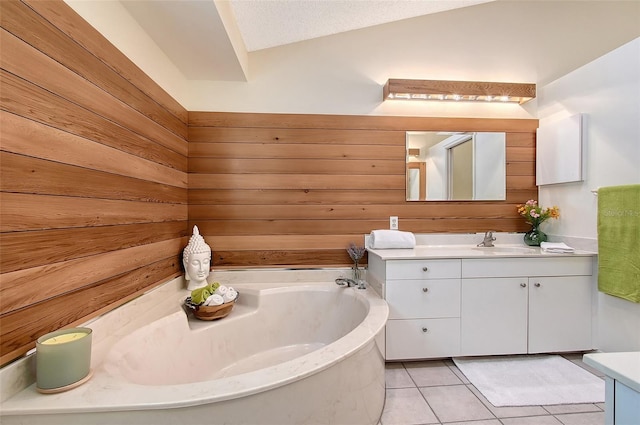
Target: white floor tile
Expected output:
[431,374]
[455,403]
[406,406]
[446,397]
[458,373]
[532,420]
[558,409]
[593,418]
[396,376]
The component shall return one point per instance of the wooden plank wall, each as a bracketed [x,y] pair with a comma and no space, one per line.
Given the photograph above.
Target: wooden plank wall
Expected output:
[99,186]
[93,179]
[294,190]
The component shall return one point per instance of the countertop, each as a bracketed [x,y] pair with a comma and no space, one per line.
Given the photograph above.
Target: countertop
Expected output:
[470,251]
[623,367]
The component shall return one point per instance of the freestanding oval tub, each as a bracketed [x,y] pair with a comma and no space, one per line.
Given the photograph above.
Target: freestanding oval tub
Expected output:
[287,354]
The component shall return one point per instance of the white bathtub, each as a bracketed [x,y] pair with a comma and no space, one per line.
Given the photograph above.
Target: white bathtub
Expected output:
[287,354]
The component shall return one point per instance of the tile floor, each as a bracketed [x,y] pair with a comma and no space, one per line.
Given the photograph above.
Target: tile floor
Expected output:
[436,392]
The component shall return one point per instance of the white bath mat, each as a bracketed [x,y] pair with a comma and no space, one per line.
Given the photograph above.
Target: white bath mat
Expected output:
[531,380]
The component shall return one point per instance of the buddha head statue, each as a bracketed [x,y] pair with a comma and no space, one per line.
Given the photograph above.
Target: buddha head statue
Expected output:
[196,259]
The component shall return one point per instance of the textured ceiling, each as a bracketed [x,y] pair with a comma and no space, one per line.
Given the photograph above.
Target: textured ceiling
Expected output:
[208,26]
[522,40]
[271,23]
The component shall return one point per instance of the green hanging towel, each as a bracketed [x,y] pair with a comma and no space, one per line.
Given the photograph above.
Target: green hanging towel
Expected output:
[619,241]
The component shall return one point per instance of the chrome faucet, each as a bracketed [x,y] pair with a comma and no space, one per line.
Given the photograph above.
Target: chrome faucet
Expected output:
[342,281]
[488,240]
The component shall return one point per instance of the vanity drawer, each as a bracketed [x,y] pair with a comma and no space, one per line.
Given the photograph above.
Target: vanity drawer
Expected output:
[422,338]
[511,267]
[423,269]
[413,299]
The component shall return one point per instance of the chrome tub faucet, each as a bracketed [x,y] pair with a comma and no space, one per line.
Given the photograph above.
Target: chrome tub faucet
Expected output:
[342,281]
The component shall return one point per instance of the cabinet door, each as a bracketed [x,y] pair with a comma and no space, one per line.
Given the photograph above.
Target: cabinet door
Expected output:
[422,338]
[626,408]
[559,314]
[494,316]
[414,299]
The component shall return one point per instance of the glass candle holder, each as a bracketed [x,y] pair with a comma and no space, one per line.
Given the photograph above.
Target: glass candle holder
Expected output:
[63,359]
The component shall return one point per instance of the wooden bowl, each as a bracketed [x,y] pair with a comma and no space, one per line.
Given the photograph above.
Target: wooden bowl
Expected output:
[210,312]
[213,312]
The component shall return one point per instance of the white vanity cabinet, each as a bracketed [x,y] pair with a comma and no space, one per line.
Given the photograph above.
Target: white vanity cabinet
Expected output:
[424,308]
[482,302]
[526,305]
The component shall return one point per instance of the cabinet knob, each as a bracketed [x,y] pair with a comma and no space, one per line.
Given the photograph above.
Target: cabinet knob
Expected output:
[425,268]
[425,289]
[537,285]
[524,285]
[425,330]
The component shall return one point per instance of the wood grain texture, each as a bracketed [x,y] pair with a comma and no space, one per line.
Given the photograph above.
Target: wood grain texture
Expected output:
[467,88]
[23,98]
[82,33]
[60,33]
[21,328]
[104,174]
[260,197]
[24,174]
[24,136]
[301,187]
[93,184]
[26,212]
[357,122]
[24,287]
[59,80]
[54,246]
[301,165]
[274,136]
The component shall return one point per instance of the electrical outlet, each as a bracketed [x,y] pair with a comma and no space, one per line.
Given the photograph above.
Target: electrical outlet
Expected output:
[393,223]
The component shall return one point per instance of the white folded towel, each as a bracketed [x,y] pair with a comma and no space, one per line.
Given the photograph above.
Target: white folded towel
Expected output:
[230,295]
[559,247]
[214,299]
[221,290]
[385,239]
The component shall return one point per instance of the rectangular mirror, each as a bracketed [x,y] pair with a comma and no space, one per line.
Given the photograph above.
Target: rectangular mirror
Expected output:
[455,166]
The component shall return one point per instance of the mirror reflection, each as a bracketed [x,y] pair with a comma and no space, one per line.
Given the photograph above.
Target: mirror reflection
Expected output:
[446,165]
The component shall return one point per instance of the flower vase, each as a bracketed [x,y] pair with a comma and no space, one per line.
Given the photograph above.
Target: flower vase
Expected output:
[535,237]
[355,272]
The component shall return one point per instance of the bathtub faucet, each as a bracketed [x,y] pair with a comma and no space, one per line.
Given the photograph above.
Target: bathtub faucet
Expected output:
[488,240]
[342,281]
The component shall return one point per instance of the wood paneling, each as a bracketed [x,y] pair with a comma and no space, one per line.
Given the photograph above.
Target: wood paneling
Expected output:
[66,37]
[23,98]
[93,185]
[293,197]
[21,327]
[104,173]
[294,190]
[280,122]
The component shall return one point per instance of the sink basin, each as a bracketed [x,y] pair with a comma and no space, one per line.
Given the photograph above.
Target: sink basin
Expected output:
[506,249]
[472,250]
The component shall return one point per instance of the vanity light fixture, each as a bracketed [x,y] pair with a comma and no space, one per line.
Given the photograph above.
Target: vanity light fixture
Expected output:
[475,91]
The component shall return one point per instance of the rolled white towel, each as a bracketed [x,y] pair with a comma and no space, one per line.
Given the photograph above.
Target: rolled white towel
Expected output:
[386,239]
[213,300]
[230,295]
[221,290]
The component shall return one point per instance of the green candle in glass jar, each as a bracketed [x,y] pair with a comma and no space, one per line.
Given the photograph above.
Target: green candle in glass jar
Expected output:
[63,358]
